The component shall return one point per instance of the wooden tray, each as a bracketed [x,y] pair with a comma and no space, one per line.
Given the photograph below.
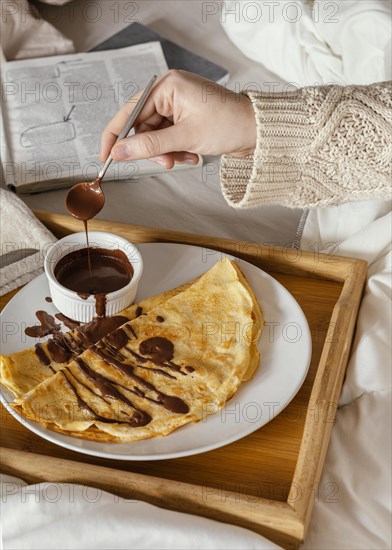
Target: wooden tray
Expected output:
[267,481]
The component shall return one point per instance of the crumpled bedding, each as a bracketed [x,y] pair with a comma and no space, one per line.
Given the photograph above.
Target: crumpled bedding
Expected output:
[354,505]
[66,516]
[25,34]
[315,42]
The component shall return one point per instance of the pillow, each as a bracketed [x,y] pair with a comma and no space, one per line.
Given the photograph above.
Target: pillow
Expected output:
[30,35]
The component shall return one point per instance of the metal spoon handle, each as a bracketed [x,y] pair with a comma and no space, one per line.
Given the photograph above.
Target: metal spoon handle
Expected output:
[130,122]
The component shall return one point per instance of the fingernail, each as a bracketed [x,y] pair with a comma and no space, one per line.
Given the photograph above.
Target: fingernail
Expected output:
[189,161]
[120,152]
[189,158]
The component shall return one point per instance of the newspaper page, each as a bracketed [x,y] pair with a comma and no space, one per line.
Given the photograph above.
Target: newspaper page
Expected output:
[55,108]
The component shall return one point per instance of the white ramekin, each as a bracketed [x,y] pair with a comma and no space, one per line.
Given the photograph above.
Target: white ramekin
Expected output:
[67,301]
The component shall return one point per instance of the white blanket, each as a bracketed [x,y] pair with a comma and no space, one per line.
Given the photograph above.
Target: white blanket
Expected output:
[308,43]
[65,516]
[354,508]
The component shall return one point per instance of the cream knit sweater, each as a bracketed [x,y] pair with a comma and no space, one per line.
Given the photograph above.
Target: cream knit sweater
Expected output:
[317,146]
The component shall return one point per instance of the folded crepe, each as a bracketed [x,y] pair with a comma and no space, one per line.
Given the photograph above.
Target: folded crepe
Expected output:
[21,371]
[177,363]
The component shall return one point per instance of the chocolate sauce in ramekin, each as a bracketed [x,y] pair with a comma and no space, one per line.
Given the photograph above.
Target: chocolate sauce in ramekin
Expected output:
[110,271]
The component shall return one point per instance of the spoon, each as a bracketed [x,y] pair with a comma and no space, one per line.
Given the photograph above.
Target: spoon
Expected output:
[86,199]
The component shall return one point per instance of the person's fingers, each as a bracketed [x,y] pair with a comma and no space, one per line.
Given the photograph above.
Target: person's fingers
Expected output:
[107,142]
[151,144]
[184,157]
[110,133]
[158,105]
[155,122]
[167,160]
[170,159]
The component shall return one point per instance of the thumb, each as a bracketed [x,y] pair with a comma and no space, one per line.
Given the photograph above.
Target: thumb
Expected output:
[145,145]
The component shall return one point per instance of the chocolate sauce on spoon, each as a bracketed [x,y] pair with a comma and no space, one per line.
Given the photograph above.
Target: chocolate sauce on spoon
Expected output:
[85,200]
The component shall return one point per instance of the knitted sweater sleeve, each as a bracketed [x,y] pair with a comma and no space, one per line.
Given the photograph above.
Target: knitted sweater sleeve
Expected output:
[315,147]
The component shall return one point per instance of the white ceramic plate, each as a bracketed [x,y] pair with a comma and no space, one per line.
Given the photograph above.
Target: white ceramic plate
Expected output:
[285,349]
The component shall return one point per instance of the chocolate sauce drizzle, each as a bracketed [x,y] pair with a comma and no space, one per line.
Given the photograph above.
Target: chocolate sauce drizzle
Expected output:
[108,390]
[69,323]
[139,418]
[47,326]
[161,348]
[105,338]
[159,351]
[140,360]
[64,346]
[43,358]
[171,403]
[59,349]
[98,328]
[117,339]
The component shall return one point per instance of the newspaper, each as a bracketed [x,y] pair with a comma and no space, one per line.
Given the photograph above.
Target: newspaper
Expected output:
[55,108]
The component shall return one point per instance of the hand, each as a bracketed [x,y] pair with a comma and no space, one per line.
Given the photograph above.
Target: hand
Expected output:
[185,115]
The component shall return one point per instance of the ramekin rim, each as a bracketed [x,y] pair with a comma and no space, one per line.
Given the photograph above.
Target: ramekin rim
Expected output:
[137,267]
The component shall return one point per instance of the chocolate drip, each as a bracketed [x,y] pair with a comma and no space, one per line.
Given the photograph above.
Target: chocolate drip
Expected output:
[117,339]
[43,358]
[69,342]
[100,305]
[82,404]
[171,403]
[130,331]
[158,371]
[63,346]
[114,353]
[139,311]
[160,319]
[48,299]
[47,325]
[142,360]
[134,422]
[153,357]
[159,349]
[59,351]
[92,332]
[69,323]
[138,357]
[88,247]
[107,389]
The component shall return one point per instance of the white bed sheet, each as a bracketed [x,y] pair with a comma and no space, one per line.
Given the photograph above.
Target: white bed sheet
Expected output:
[354,498]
